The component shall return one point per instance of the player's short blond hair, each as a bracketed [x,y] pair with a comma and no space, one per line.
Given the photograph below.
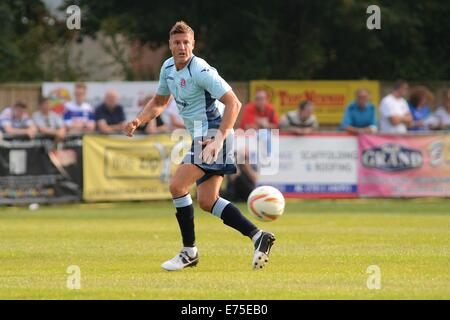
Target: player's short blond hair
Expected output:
[181,27]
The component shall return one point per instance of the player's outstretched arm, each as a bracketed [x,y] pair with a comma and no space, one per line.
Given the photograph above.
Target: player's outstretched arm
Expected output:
[152,109]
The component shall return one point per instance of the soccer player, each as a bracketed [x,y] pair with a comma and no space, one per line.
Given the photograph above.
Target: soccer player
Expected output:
[196,86]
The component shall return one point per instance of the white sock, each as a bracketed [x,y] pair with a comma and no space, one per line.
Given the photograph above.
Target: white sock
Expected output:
[191,251]
[256,236]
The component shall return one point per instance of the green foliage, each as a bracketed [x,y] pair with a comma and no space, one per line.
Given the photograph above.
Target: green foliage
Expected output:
[294,39]
[25,33]
[289,39]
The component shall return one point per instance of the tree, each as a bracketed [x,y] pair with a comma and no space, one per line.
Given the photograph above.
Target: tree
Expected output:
[27,30]
[289,39]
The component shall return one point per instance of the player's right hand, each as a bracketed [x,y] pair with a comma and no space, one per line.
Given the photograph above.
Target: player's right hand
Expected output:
[131,126]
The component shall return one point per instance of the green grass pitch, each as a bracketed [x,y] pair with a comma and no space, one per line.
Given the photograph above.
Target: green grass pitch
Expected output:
[322,251]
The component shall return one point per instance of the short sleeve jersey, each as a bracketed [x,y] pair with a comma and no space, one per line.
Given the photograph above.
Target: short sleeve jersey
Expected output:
[195,88]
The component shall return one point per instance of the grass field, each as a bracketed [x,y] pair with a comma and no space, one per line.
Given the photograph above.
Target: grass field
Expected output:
[322,251]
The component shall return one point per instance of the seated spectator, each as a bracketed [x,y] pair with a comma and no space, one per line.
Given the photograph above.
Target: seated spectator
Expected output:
[109,115]
[259,114]
[241,184]
[419,99]
[300,121]
[78,114]
[440,119]
[16,122]
[395,114]
[360,115]
[171,116]
[156,125]
[48,122]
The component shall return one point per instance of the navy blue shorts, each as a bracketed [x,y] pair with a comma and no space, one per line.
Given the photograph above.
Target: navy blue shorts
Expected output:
[225,163]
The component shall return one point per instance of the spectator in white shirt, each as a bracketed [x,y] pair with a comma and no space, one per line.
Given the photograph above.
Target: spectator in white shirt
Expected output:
[440,120]
[395,115]
[300,121]
[15,121]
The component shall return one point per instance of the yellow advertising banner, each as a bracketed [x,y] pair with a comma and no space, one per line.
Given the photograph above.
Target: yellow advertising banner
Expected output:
[117,168]
[330,97]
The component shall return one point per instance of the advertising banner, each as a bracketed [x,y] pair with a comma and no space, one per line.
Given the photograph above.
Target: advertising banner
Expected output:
[330,97]
[131,94]
[33,171]
[117,168]
[316,166]
[404,166]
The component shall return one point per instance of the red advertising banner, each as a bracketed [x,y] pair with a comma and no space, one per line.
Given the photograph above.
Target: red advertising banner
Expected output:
[404,166]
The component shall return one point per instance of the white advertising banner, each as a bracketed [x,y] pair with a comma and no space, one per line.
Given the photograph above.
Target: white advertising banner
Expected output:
[131,94]
[316,166]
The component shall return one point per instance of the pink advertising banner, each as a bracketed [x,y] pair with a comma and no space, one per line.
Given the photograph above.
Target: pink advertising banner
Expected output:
[404,166]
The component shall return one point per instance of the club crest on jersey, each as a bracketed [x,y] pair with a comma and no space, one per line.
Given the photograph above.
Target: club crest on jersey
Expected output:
[182,83]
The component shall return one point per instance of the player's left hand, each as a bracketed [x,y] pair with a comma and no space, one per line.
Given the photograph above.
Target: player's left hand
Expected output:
[210,153]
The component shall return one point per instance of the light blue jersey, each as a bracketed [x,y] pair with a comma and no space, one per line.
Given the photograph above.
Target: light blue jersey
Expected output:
[195,89]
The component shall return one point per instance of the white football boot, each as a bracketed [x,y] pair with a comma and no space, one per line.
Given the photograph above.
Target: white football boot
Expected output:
[180,261]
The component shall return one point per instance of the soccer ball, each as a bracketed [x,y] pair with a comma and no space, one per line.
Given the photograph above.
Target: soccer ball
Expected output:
[266,203]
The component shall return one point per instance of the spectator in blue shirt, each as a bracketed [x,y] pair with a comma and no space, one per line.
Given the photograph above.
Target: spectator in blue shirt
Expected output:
[78,114]
[420,97]
[360,115]
[110,116]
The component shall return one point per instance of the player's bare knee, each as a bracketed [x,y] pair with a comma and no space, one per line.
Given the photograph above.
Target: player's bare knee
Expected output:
[206,203]
[177,190]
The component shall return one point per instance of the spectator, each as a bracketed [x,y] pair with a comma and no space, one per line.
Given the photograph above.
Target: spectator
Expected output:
[360,115]
[48,122]
[109,115]
[156,125]
[419,99]
[241,184]
[395,114]
[259,114]
[78,114]
[171,116]
[300,121]
[440,120]
[15,121]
